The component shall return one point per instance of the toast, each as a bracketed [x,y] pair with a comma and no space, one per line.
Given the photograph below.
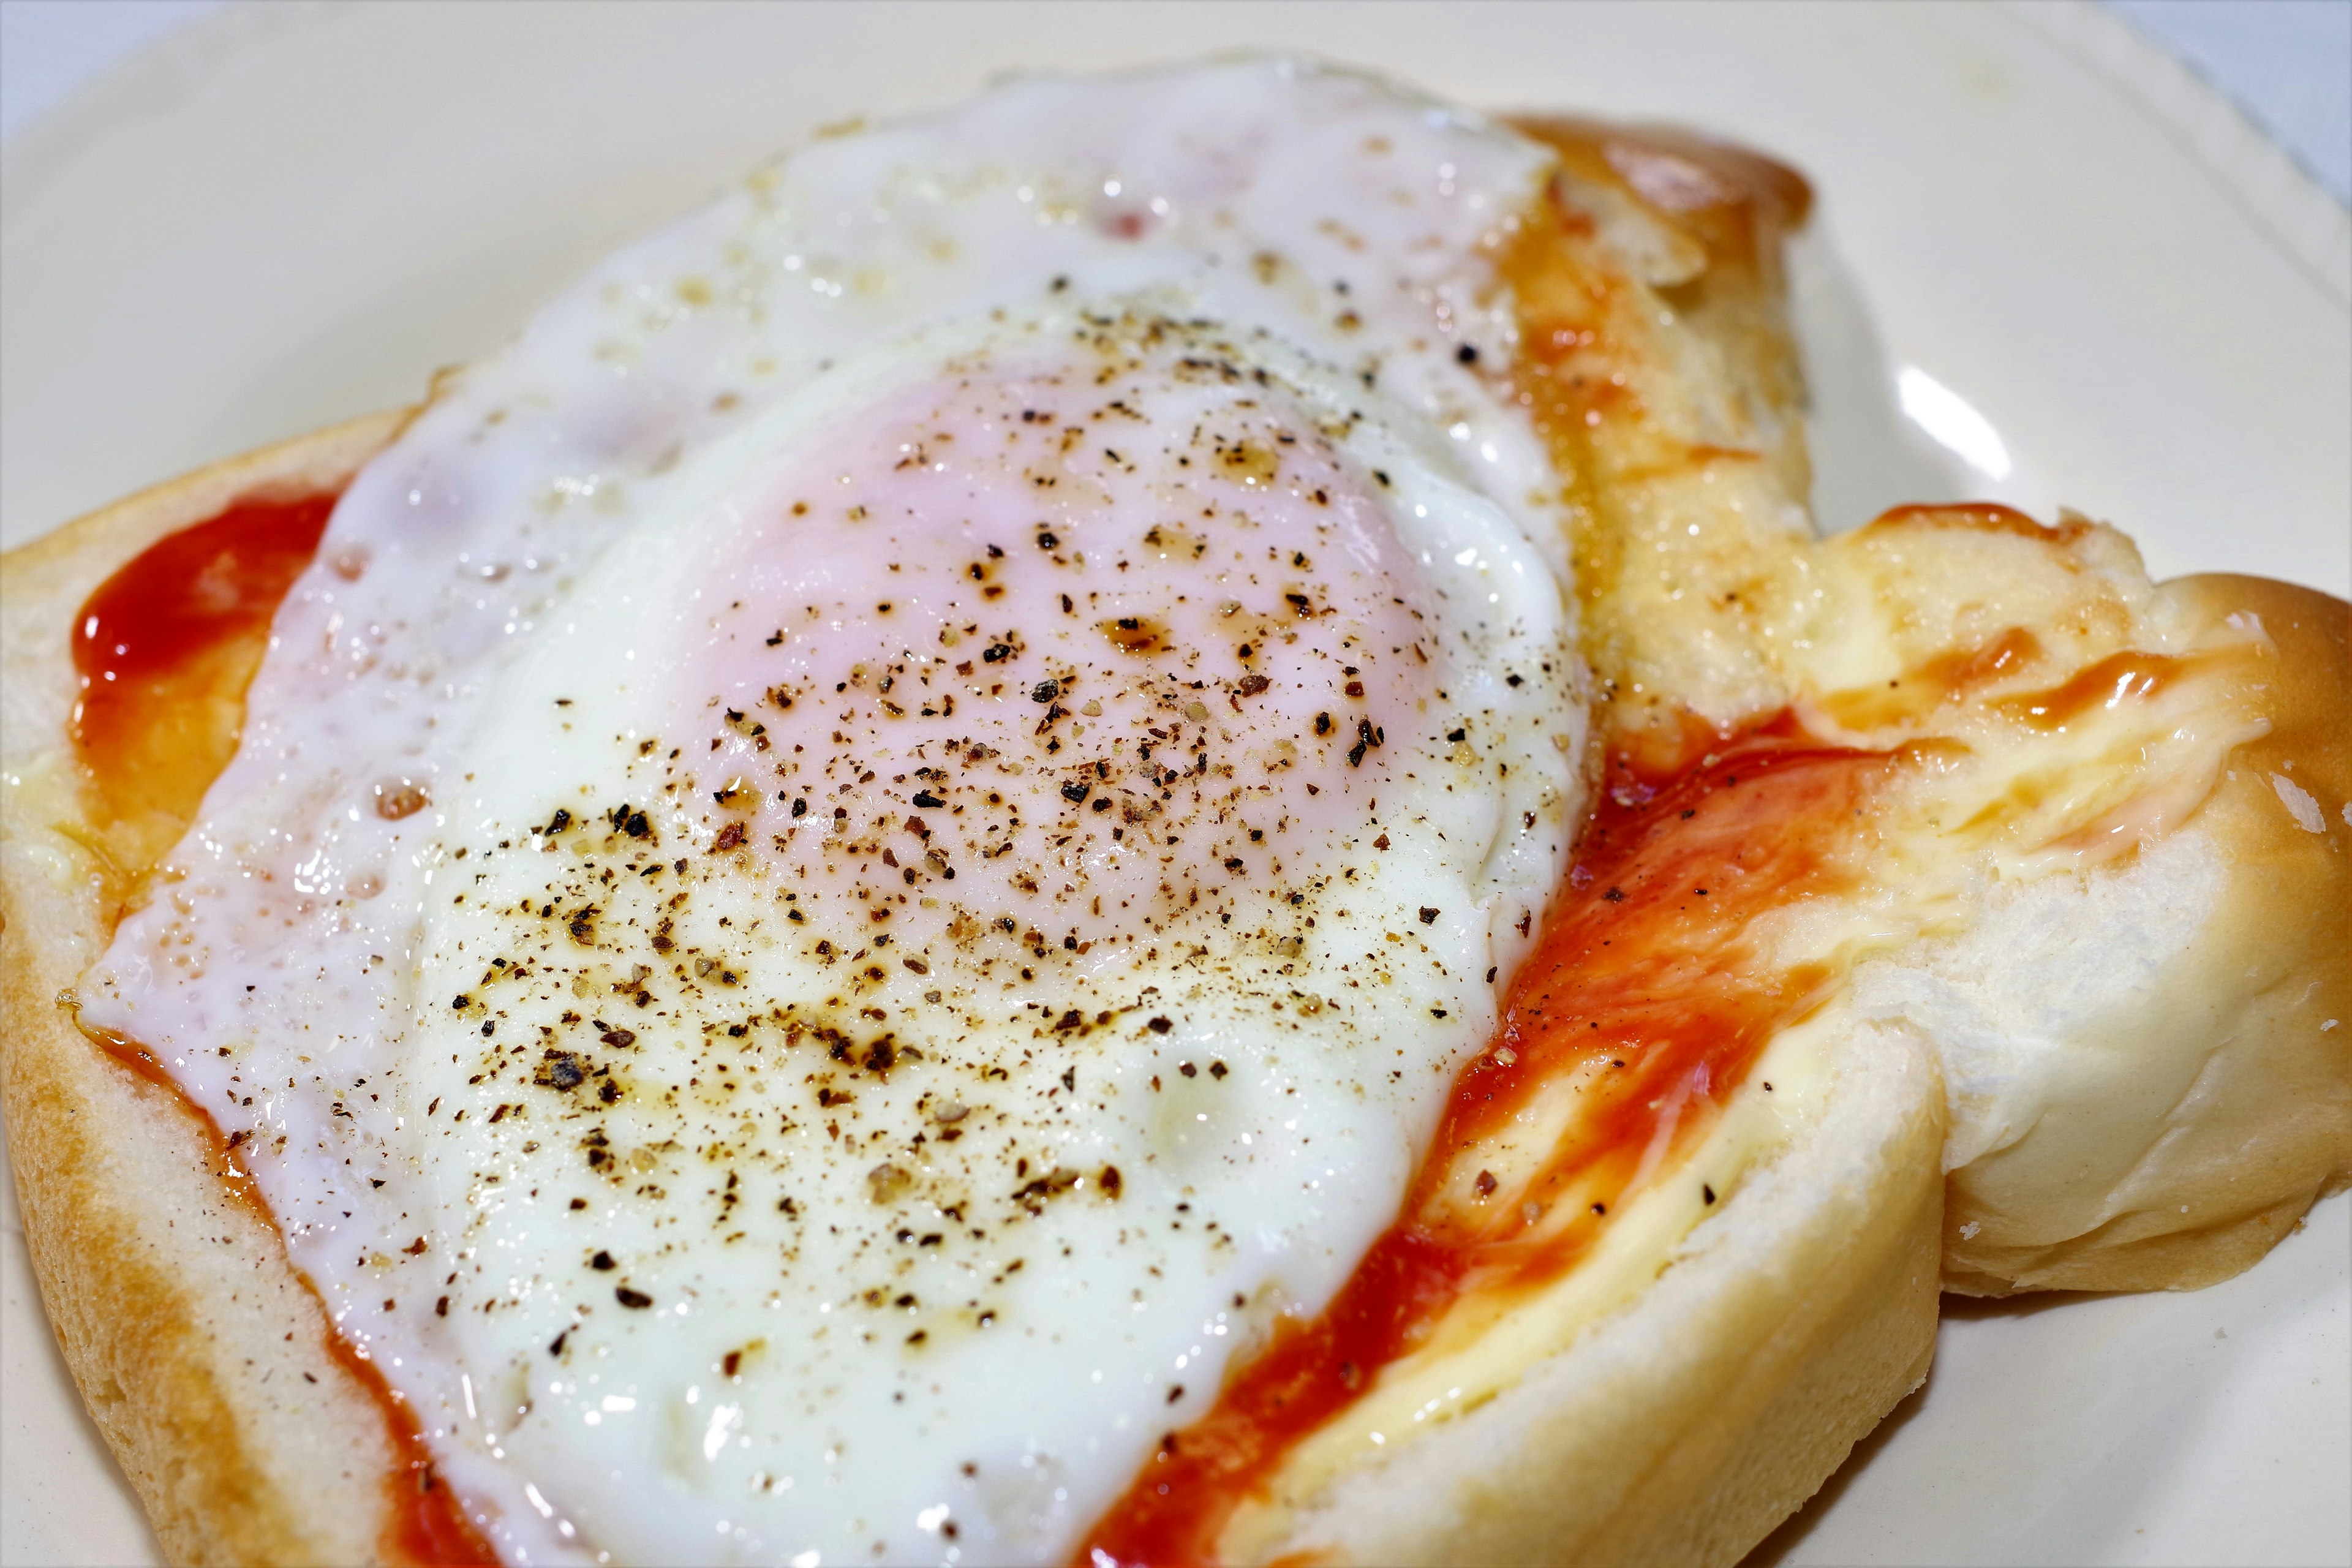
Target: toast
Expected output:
[2160,1132]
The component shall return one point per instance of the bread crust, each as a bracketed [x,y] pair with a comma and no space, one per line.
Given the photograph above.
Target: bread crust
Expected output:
[199,1350]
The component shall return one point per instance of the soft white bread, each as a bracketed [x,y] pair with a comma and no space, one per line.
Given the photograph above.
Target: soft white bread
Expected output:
[1785,1327]
[2150,1060]
[2143,1089]
[201,1354]
[2151,1067]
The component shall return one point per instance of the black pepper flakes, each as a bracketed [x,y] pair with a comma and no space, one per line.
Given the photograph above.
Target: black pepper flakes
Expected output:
[560,1071]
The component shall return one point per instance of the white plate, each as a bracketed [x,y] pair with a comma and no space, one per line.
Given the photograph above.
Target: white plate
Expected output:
[2132,304]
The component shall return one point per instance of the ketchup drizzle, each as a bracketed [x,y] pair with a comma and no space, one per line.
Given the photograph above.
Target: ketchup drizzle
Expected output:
[166,647]
[1645,983]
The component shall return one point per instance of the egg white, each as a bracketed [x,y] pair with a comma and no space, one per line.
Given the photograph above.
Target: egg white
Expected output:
[491,606]
[1011,1335]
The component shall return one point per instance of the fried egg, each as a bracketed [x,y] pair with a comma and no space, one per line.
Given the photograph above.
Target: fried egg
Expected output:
[870,851]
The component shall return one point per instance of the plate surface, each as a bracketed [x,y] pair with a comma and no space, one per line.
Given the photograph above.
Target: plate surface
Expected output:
[2087,281]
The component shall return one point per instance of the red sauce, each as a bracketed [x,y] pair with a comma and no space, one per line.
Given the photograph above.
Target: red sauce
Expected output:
[1947,677]
[429,1526]
[165,648]
[2119,679]
[1981,517]
[237,1183]
[1647,990]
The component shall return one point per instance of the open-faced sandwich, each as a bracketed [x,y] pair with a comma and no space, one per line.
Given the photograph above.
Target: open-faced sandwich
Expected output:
[1131,826]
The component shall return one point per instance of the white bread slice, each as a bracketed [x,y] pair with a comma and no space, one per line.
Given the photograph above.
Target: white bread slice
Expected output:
[2145,1090]
[1803,1311]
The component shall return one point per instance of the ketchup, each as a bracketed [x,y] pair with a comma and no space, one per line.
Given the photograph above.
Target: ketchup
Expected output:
[1646,985]
[165,648]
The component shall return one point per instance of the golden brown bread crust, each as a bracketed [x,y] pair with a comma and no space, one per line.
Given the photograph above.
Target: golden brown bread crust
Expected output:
[199,1352]
[1658,363]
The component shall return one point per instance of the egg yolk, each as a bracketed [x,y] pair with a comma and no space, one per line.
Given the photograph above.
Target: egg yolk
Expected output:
[1062,654]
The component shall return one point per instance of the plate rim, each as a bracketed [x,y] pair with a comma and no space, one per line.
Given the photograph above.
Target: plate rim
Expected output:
[2254,172]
